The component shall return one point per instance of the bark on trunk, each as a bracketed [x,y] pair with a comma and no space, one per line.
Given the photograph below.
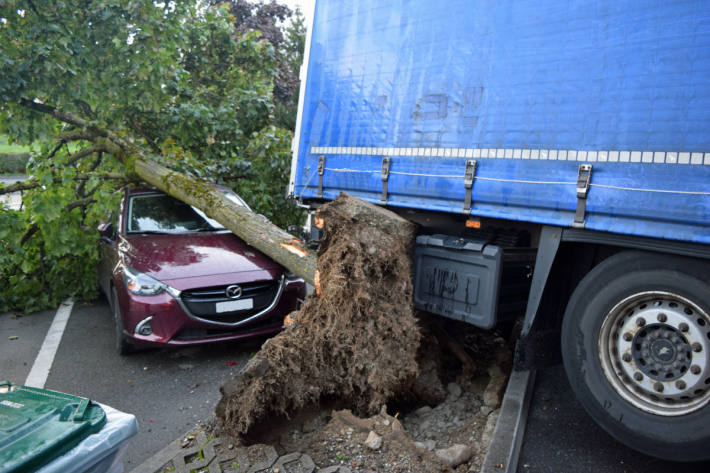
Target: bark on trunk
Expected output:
[254,229]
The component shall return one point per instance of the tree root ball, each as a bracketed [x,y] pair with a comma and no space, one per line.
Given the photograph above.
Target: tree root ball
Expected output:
[356,342]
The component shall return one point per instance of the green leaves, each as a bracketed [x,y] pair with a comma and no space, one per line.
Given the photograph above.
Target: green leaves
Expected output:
[180,81]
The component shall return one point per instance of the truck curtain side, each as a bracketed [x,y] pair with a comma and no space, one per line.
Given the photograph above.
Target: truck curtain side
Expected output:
[585,124]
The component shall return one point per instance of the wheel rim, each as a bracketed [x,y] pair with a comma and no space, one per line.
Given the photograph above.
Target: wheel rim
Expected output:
[654,349]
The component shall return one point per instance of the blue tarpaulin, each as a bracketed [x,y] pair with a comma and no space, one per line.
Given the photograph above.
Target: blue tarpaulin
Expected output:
[529,90]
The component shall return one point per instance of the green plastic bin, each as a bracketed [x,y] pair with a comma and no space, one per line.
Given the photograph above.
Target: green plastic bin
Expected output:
[38,425]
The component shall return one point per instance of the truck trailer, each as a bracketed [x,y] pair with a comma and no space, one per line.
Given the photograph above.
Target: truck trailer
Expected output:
[556,155]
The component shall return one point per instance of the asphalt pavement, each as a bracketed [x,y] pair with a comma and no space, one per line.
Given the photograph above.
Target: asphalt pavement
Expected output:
[168,390]
[561,437]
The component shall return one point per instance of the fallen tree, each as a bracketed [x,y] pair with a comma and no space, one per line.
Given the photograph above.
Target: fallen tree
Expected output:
[171,94]
[256,231]
[112,105]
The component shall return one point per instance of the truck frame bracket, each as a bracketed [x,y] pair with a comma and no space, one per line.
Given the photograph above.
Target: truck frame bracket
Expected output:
[321,171]
[468,178]
[584,177]
[385,175]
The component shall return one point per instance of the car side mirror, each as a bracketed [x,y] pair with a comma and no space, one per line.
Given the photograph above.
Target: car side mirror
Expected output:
[106,231]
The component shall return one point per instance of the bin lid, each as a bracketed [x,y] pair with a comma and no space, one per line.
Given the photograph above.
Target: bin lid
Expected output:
[37,425]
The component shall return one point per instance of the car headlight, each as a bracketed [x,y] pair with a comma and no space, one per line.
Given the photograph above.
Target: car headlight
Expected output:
[141,284]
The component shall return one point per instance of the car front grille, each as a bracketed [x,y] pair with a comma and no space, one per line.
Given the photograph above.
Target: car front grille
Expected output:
[188,334]
[203,302]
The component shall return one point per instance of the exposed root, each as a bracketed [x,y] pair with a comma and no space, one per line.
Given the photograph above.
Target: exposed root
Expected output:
[357,341]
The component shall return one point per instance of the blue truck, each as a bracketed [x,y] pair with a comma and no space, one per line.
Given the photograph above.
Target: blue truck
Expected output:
[556,155]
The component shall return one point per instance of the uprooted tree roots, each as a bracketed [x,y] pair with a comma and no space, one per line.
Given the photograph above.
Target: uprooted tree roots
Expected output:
[355,341]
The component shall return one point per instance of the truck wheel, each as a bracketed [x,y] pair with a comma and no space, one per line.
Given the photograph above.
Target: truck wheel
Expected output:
[636,349]
[122,346]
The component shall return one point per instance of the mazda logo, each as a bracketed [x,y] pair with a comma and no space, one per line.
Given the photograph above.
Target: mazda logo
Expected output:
[233,292]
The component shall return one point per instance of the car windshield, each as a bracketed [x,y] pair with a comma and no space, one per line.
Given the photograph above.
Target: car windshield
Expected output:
[160,213]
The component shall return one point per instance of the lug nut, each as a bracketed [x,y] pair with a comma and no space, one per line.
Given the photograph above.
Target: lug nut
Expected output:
[640,321]
[683,327]
[626,357]
[662,317]
[695,369]
[628,337]
[638,376]
[697,347]
[680,384]
[658,387]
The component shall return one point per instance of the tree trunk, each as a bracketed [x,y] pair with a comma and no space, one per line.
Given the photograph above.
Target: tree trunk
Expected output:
[254,229]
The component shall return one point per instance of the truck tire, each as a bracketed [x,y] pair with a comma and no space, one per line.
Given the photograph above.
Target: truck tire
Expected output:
[122,346]
[636,349]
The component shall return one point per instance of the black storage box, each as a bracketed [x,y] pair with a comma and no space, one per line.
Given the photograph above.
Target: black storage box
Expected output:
[471,280]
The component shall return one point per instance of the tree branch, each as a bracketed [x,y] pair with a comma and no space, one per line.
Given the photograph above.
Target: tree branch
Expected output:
[85,152]
[79,203]
[34,227]
[28,234]
[77,135]
[136,126]
[85,125]
[34,183]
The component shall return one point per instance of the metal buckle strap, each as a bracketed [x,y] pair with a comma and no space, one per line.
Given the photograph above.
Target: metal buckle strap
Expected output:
[584,177]
[385,175]
[468,177]
[321,171]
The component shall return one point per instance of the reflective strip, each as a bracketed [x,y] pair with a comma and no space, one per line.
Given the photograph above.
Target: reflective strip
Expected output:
[611,156]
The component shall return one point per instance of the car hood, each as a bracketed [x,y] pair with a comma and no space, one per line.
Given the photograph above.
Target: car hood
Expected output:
[168,257]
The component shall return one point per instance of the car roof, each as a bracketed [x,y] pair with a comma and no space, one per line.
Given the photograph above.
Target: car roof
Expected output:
[153,190]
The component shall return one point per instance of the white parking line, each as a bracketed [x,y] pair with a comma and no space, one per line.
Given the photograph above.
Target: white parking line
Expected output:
[43,363]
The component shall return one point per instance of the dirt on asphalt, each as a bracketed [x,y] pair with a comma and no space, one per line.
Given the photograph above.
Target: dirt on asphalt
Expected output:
[410,435]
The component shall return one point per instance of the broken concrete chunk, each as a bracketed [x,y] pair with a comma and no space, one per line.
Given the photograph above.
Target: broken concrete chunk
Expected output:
[493,394]
[426,445]
[424,410]
[454,391]
[454,455]
[373,441]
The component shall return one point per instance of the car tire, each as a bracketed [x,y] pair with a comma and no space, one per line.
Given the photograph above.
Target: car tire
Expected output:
[123,347]
[636,350]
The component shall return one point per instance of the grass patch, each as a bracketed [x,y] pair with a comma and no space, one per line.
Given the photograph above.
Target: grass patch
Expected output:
[7,148]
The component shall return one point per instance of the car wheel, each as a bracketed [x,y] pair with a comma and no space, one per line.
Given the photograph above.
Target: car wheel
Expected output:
[636,349]
[123,347]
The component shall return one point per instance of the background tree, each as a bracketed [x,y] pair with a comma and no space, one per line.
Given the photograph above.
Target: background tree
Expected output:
[108,87]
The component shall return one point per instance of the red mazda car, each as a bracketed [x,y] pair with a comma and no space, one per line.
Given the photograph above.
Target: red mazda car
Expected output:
[173,276]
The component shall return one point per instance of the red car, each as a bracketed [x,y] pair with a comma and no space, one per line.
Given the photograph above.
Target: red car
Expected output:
[173,276]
